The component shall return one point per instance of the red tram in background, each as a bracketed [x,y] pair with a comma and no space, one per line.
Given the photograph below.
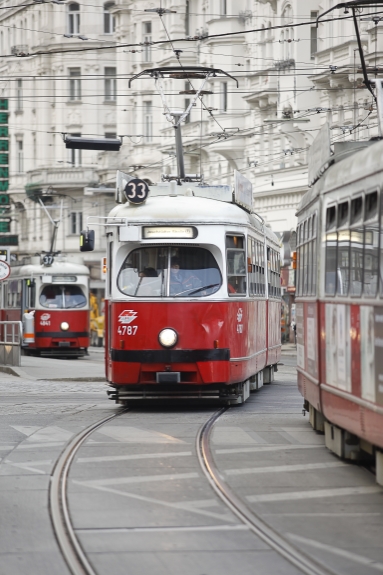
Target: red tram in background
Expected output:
[340,303]
[52,301]
[192,297]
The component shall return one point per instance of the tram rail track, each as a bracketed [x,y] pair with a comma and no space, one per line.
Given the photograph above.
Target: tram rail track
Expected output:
[70,547]
[247,516]
[76,557]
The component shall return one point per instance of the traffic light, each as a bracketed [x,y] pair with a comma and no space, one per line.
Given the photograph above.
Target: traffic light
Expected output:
[104,267]
[294,260]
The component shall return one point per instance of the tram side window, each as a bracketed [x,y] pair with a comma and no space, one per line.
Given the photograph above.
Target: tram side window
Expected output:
[343,262]
[236,268]
[331,251]
[14,294]
[371,245]
[371,261]
[356,262]
[314,256]
[261,269]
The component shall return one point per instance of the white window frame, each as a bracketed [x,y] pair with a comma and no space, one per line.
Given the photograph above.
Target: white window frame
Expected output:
[109,19]
[147,37]
[73,18]
[148,121]
[20,156]
[110,84]
[74,84]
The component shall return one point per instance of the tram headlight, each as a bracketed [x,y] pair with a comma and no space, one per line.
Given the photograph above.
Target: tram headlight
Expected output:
[64,326]
[168,337]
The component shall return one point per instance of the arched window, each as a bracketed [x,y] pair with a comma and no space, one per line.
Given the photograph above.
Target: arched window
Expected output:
[109,19]
[74,18]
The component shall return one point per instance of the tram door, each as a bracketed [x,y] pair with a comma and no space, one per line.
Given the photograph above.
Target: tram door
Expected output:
[28,296]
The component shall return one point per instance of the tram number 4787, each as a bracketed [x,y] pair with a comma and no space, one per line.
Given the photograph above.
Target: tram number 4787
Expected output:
[127,329]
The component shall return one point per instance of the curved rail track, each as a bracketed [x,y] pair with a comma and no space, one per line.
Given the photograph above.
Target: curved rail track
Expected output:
[75,556]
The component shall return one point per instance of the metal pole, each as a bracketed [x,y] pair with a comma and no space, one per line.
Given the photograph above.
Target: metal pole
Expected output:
[379,103]
[179,148]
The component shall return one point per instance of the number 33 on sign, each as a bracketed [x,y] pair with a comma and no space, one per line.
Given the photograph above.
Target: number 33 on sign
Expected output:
[127,329]
[136,191]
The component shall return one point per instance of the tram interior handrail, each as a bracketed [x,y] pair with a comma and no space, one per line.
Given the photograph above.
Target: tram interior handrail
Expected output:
[15,337]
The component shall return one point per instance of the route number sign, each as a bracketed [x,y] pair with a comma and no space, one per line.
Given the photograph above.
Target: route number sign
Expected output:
[136,191]
[5,270]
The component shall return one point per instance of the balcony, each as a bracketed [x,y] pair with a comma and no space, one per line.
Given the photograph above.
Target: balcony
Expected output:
[20,50]
[60,179]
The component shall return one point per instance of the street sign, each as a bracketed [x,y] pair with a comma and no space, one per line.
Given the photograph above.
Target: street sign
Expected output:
[5,270]
[9,240]
[136,191]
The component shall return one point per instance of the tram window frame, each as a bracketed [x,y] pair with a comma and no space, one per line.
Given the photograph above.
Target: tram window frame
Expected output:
[314,253]
[164,271]
[240,285]
[371,226]
[330,217]
[356,210]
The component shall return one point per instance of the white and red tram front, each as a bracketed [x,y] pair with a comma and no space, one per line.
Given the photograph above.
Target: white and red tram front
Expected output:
[193,299]
[58,297]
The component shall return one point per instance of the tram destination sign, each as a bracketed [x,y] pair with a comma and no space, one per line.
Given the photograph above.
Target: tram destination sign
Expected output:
[163,232]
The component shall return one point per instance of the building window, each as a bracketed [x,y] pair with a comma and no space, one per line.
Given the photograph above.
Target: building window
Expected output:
[74,83]
[20,156]
[110,135]
[223,7]
[110,84]
[75,223]
[223,97]
[19,94]
[74,18]
[74,156]
[148,121]
[313,36]
[147,38]
[109,19]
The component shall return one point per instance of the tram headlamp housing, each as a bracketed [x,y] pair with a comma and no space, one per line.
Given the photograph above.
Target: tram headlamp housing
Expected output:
[64,326]
[168,337]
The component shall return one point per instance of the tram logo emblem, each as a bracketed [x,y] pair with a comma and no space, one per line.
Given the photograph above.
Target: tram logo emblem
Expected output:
[127,316]
[239,314]
[45,316]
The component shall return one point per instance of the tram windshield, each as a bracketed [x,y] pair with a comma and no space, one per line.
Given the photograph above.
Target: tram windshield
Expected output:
[169,272]
[62,297]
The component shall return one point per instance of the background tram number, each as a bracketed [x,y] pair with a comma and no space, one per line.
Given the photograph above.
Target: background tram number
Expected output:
[127,329]
[136,191]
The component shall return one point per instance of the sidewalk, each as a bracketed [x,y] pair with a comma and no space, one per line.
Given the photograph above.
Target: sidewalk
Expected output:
[46,368]
[289,349]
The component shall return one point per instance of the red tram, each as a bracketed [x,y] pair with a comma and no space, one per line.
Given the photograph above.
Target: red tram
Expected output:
[340,305]
[193,296]
[52,301]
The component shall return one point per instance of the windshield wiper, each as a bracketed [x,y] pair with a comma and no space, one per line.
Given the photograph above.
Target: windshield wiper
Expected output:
[195,290]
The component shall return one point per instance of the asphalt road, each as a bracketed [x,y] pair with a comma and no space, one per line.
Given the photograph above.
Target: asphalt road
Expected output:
[140,503]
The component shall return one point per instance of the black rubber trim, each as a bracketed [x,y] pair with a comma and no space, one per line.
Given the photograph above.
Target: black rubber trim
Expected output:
[170,355]
[62,334]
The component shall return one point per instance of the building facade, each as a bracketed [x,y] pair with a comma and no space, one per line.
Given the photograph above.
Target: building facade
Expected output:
[66,69]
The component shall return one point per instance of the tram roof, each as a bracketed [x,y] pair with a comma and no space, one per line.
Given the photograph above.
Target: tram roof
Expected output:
[57,268]
[353,168]
[187,210]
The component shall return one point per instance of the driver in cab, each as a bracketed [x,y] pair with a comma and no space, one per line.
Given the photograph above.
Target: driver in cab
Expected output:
[181,281]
